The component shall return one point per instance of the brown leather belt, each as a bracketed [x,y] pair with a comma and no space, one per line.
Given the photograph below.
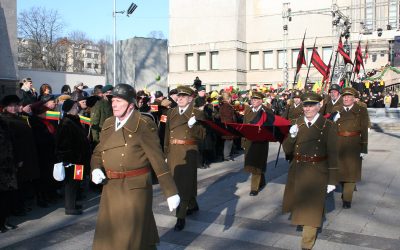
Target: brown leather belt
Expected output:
[347,133]
[130,173]
[305,158]
[183,142]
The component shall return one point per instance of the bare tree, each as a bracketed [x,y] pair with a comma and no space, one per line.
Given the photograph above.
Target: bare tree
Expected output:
[41,29]
[79,37]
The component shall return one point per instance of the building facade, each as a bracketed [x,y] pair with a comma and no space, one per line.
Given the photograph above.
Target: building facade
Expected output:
[8,47]
[66,56]
[249,42]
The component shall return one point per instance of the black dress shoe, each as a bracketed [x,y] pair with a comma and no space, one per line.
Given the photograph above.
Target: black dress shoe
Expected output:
[253,193]
[180,224]
[73,211]
[346,204]
[204,166]
[10,226]
[79,207]
[192,210]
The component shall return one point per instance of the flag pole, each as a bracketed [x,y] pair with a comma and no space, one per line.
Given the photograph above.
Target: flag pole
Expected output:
[295,75]
[309,65]
[326,83]
[334,66]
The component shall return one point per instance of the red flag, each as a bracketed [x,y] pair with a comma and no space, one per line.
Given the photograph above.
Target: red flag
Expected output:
[328,70]
[359,59]
[340,49]
[366,52]
[318,63]
[301,57]
[78,172]
[254,132]
[221,128]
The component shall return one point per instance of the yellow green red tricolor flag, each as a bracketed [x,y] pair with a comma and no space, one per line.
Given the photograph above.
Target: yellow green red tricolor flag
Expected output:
[53,115]
[84,119]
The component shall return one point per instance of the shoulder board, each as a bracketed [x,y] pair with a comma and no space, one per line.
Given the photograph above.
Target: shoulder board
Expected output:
[108,123]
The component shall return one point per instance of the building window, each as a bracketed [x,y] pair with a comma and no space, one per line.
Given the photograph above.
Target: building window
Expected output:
[96,66]
[96,56]
[254,60]
[89,65]
[326,54]
[202,61]
[281,59]
[189,62]
[295,54]
[309,54]
[268,60]
[369,14]
[393,12]
[76,54]
[89,55]
[214,60]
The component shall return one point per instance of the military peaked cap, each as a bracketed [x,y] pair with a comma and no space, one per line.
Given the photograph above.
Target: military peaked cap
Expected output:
[311,98]
[184,90]
[257,95]
[350,91]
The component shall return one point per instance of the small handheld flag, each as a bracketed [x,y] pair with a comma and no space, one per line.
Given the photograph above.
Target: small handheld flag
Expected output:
[78,172]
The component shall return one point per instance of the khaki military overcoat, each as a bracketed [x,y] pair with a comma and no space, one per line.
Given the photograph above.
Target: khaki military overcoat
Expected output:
[350,147]
[125,219]
[307,182]
[183,160]
[328,107]
[256,153]
[292,112]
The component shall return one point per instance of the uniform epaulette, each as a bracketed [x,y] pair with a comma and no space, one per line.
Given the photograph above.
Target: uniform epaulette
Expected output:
[108,123]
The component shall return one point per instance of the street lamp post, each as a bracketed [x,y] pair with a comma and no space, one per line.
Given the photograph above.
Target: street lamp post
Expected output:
[130,10]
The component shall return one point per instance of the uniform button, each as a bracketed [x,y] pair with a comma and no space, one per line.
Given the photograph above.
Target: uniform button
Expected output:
[103,152]
[103,160]
[172,131]
[319,140]
[315,154]
[126,144]
[130,136]
[316,147]
[297,145]
[122,155]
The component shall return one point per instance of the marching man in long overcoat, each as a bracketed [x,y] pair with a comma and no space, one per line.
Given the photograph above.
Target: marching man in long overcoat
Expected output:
[182,135]
[352,122]
[312,145]
[129,146]
[256,153]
